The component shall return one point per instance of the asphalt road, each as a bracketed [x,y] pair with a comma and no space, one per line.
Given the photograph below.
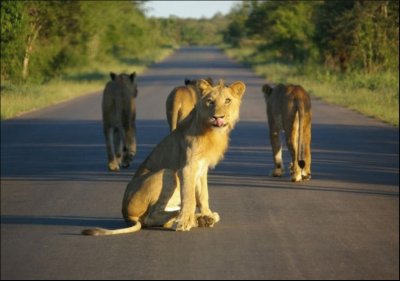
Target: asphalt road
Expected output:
[343,224]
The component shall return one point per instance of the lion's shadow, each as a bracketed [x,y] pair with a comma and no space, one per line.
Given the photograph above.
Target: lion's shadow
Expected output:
[62,150]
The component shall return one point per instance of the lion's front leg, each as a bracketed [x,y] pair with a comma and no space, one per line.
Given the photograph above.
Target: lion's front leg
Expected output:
[206,218]
[187,219]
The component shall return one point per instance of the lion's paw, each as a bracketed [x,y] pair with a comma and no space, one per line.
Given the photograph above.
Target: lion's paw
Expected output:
[277,173]
[113,166]
[207,220]
[184,223]
[126,161]
[296,177]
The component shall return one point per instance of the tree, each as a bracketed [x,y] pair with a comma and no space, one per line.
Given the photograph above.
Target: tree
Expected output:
[358,34]
[41,38]
[13,25]
[236,30]
[284,27]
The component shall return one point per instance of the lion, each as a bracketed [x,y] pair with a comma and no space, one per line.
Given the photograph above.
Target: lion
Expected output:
[119,114]
[181,101]
[172,181]
[289,109]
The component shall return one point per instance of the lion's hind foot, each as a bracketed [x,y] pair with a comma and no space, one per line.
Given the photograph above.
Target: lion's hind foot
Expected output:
[113,166]
[277,172]
[126,160]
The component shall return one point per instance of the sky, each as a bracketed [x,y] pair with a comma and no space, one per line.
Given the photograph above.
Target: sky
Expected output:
[187,9]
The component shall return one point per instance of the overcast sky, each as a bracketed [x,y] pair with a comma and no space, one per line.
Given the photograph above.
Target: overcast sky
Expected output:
[188,9]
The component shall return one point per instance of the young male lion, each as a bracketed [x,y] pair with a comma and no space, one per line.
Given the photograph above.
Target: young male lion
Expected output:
[181,101]
[289,109]
[172,181]
[119,113]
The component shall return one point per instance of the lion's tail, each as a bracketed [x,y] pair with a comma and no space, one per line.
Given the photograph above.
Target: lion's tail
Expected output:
[301,162]
[175,115]
[102,231]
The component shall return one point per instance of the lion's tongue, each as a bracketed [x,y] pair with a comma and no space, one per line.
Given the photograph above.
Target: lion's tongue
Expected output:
[219,122]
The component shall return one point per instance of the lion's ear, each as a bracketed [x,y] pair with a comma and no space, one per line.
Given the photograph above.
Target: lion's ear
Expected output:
[203,86]
[210,81]
[238,88]
[267,90]
[132,76]
[113,75]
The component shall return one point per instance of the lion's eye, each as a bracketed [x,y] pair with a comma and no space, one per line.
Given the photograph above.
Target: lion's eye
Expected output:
[210,102]
[228,101]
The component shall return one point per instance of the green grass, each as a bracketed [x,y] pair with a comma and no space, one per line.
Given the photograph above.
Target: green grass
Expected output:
[17,99]
[375,95]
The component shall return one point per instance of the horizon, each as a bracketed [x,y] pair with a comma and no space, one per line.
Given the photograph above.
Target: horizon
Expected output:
[187,9]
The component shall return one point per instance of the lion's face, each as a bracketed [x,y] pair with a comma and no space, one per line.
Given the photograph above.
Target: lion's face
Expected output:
[219,105]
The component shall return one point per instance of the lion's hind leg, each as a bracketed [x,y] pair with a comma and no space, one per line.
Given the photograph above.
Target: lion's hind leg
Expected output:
[166,207]
[306,172]
[113,161]
[276,144]
[161,218]
[129,144]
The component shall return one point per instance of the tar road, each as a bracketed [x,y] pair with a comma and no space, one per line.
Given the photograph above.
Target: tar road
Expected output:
[342,224]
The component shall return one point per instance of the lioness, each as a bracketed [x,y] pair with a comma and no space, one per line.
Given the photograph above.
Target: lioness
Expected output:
[119,113]
[289,109]
[172,181]
[181,101]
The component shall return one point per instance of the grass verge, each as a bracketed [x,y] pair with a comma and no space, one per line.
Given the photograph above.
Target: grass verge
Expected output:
[17,99]
[375,95]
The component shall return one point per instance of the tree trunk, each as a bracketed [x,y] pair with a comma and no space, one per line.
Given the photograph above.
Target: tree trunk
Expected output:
[28,50]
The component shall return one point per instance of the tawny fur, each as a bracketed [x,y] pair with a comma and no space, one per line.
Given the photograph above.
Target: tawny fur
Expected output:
[172,182]
[181,101]
[119,114]
[289,109]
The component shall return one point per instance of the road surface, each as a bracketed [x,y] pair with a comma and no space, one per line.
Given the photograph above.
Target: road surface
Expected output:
[343,224]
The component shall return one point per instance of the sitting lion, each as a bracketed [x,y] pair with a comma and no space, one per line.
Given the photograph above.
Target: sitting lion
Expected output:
[289,109]
[119,113]
[181,101]
[172,181]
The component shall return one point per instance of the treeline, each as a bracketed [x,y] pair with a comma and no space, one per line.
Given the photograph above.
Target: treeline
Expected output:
[342,35]
[187,31]
[39,39]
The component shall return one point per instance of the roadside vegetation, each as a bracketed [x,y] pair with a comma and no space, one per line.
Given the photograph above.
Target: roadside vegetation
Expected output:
[56,50]
[345,52]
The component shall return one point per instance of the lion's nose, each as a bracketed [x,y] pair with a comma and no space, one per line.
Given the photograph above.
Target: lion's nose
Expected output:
[218,121]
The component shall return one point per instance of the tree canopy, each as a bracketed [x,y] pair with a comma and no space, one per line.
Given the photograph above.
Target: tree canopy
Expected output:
[41,38]
[344,35]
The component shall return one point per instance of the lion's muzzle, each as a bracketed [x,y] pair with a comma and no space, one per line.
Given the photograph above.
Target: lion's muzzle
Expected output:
[218,121]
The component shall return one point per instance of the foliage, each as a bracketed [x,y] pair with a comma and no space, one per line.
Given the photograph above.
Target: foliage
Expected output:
[13,24]
[40,39]
[43,41]
[181,32]
[344,51]
[358,34]
[344,35]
